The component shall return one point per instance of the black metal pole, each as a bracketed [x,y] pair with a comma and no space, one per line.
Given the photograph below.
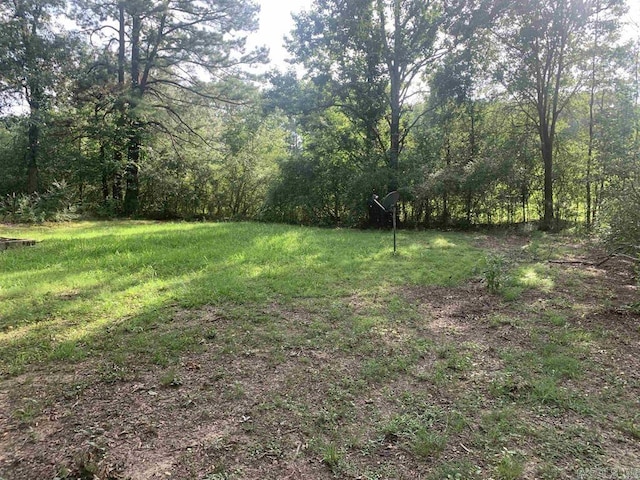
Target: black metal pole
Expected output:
[394,228]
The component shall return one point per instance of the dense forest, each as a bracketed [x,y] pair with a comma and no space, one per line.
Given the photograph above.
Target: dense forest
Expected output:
[477,111]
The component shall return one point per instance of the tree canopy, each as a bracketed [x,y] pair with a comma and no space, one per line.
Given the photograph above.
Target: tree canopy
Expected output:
[477,111]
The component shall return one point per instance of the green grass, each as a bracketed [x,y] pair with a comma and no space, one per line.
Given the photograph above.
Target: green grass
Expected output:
[64,298]
[314,349]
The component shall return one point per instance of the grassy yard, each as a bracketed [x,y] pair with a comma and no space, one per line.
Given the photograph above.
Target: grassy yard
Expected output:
[135,350]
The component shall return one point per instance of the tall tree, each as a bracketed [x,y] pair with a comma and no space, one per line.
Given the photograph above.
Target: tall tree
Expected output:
[602,76]
[373,54]
[545,46]
[166,48]
[33,55]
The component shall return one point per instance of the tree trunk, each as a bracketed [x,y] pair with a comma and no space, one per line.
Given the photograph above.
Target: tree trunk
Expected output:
[32,153]
[131,198]
[472,155]
[592,97]
[33,135]
[121,44]
[547,157]
[394,151]
[105,174]
[548,192]
[117,177]
[395,101]
[445,193]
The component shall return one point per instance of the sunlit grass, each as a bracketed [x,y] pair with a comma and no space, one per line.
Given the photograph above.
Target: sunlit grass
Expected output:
[59,297]
[534,276]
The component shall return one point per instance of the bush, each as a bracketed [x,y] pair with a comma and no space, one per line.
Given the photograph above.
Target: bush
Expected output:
[52,205]
[622,230]
[495,273]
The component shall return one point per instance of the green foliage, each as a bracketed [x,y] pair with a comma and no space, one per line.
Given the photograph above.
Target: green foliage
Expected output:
[52,205]
[138,132]
[228,181]
[622,233]
[510,467]
[495,274]
[332,457]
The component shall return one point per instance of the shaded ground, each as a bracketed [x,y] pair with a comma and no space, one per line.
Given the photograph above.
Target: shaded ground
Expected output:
[541,381]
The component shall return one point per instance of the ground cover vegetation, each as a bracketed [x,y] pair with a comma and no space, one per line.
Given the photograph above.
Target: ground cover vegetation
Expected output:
[478,112]
[133,350]
[140,349]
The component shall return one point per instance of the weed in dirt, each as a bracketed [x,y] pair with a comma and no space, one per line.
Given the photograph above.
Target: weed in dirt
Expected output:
[381,369]
[220,472]
[499,320]
[441,375]
[114,369]
[578,339]
[68,350]
[554,318]
[497,428]
[548,471]
[457,422]
[28,412]
[235,392]
[456,361]
[510,466]
[380,472]
[512,293]
[630,427]
[332,456]
[427,443]
[421,427]
[210,333]
[576,444]
[457,470]
[170,378]
[89,463]
[561,366]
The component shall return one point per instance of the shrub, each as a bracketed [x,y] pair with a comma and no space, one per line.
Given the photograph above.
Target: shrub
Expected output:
[622,230]
[53,205]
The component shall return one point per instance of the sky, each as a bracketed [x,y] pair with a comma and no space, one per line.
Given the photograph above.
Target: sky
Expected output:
[276,22]
[633,20]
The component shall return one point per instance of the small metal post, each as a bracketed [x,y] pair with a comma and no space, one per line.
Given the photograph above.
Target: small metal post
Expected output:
[390,201]
[394,228]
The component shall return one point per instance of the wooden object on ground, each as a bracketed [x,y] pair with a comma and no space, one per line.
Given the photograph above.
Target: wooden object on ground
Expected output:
[6,243]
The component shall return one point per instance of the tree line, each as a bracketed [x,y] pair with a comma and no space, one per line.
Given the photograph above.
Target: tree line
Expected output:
[476,111]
